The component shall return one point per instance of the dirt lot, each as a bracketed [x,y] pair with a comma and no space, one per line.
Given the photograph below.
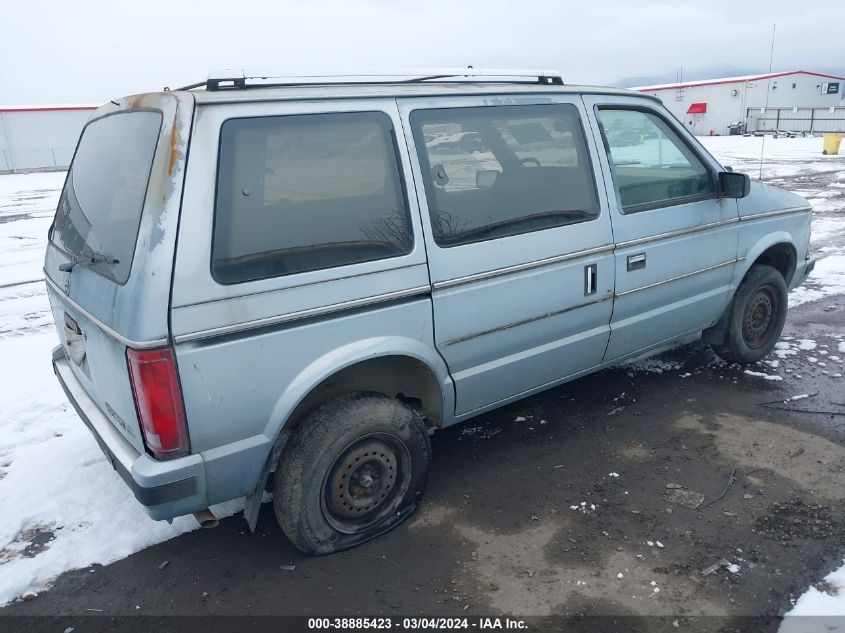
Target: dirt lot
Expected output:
[525,513]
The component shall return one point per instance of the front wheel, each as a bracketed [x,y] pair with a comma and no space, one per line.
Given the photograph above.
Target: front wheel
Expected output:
[756,316]
[354,468]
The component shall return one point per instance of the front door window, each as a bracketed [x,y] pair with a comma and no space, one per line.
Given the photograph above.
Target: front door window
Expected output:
[652,166]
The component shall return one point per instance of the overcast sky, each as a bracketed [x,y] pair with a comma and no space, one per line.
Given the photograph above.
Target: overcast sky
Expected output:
[91,50]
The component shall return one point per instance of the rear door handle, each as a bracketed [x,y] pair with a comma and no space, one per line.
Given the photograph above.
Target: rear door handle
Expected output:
[635,262]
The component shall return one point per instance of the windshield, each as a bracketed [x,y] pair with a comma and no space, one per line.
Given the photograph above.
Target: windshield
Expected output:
[100,208]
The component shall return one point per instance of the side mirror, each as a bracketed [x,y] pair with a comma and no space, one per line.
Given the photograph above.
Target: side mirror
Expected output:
[733,184]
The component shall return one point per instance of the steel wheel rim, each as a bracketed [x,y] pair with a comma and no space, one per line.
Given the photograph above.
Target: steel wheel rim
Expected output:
[758,320]
[366,482]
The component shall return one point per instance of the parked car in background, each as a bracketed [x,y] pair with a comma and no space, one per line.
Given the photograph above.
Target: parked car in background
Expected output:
[263,283]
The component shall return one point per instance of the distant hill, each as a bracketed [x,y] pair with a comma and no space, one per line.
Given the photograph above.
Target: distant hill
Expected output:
[710,73]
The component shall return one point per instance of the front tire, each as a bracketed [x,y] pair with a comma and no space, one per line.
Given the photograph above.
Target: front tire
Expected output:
[353,469]
[756,316]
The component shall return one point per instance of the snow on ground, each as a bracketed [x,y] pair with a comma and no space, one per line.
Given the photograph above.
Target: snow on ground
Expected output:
[63,505]
[826,600]
[828,278]
[782,157]
[797,164]
[759,374]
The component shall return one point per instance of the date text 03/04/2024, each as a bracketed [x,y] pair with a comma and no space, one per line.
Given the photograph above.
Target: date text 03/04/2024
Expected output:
[417,623]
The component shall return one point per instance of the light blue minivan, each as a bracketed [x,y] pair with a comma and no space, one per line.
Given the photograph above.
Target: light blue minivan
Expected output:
[304,278]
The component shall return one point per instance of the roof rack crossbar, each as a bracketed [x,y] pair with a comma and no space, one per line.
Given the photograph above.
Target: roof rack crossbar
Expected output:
[239,79]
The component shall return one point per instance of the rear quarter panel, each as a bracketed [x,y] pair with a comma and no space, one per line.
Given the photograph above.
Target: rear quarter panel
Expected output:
[240,390]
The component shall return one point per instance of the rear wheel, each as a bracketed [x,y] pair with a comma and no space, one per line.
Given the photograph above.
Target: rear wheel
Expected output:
[354,468]
[756,316]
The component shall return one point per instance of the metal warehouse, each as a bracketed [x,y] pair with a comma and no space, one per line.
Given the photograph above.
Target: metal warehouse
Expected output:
[34,138]
[795,101]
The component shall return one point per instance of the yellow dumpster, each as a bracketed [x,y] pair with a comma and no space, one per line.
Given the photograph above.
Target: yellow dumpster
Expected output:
[831,143]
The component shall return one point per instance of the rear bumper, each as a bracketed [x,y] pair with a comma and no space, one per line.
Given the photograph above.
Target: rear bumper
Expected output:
[166,489]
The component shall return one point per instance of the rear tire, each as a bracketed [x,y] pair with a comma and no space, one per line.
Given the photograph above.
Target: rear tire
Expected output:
[353,469]
[756,316]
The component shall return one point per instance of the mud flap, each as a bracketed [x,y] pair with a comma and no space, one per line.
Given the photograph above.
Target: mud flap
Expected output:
[252,503]
[715,335]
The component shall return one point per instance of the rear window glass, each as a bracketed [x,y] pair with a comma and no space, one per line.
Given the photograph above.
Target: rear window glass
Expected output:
[298,193]
[496,171]
[100,207]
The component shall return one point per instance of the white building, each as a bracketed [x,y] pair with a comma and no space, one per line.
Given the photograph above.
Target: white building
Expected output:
[795,100]
[40,138]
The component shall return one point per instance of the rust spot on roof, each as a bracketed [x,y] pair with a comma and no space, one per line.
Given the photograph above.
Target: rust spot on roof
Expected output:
[135,101]
[145,100]
[175,152]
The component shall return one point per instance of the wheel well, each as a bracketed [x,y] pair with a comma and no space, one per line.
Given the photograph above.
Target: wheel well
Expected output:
[402,377]
[781,257]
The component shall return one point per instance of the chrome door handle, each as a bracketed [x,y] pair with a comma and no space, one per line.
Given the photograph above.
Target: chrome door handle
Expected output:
[635,262]
[590,279]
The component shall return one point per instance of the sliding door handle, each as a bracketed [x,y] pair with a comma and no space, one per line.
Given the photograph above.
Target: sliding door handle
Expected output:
[590,279]
[635,262]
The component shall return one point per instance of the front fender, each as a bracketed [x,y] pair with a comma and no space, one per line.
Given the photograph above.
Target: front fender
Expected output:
[716,333]
[758,248]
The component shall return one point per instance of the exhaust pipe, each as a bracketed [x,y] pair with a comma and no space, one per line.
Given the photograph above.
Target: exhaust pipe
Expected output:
[206,518]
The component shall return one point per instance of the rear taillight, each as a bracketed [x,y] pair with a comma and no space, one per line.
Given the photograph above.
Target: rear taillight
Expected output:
[159,401]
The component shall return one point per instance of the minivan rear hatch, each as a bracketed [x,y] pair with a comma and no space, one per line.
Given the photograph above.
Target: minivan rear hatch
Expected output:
[109,258]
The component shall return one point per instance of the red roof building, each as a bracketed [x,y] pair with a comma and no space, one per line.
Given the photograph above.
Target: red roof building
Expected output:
[795,100]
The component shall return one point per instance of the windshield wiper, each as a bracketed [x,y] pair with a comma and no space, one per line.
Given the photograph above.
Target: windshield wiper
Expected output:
[93,258]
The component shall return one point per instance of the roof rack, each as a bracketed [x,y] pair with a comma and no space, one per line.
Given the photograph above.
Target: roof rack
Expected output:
[240,79]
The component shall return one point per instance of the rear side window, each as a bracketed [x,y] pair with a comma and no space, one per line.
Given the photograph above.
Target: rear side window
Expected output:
[651,164]
[298,193]
[100,208]
[496,171]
